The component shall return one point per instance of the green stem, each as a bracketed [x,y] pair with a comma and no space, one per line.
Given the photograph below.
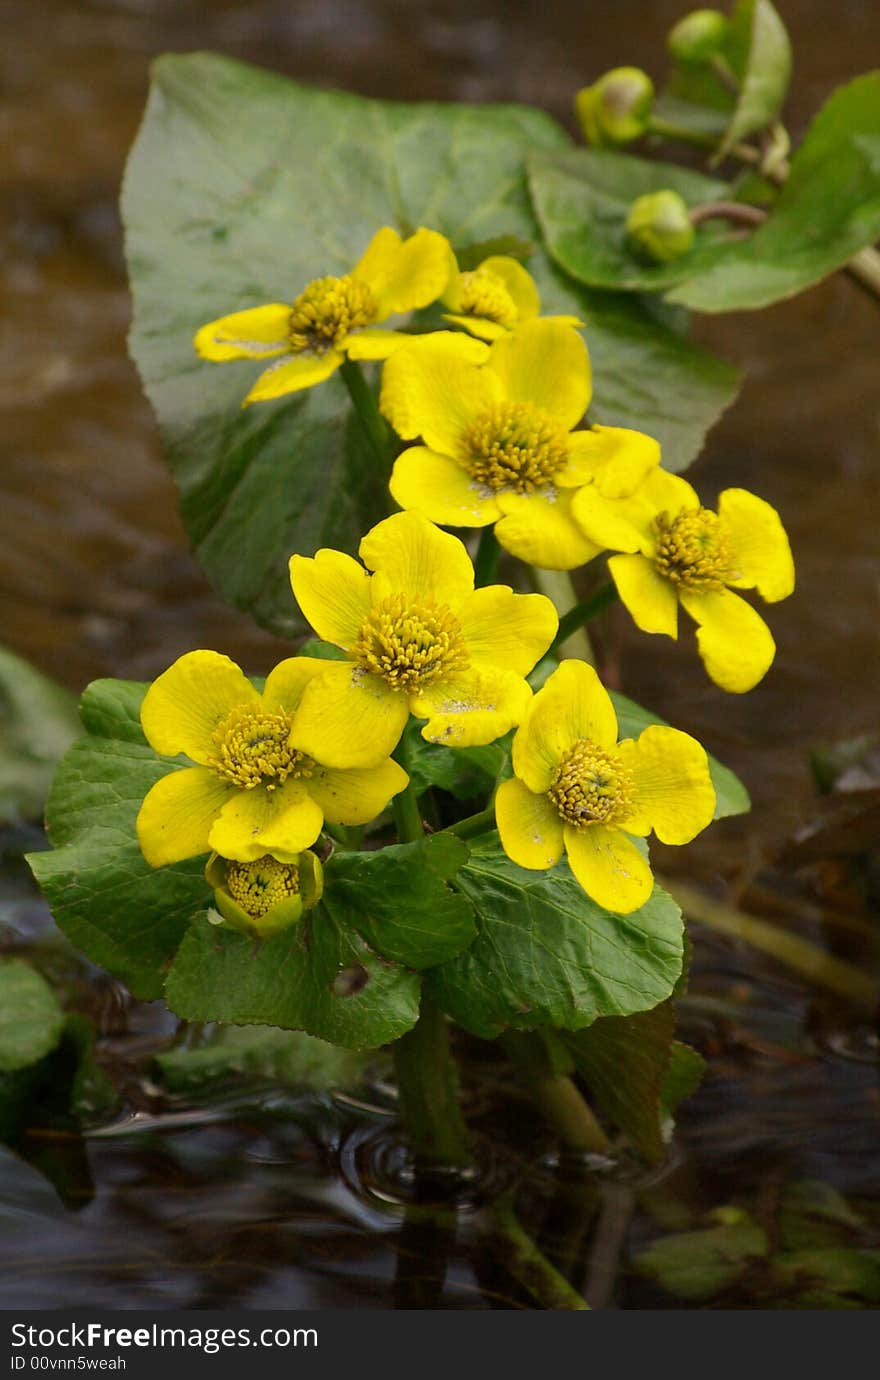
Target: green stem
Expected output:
[407,816]
[557,586]
[474,824]
[585,611]
[375,427]
[486,559]
[526,1263]
[796,952]
[865,268]
[554,1093]
[427,1084]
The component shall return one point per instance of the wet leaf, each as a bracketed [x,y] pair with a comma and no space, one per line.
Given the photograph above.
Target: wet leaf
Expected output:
[828,210]
[731,796]
[125,915]
[315,976]
[398,899]
[759,51]
[582,198]
[697,1265]
[31,1021]
[545,954]
[38,722]
[220,217]
[288,1058]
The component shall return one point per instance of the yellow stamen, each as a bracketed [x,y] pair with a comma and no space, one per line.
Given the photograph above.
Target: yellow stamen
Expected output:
[327,310]
[484,294]
[515,445]
[258,886]
[252,748]
[691,550]
[410,643]
[591,786]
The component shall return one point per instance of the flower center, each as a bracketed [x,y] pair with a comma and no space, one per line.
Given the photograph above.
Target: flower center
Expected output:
[411,644]
[484,294]
[252,748]
[327,310]
[691,550]
[591,786]
[515,445]
[258,886]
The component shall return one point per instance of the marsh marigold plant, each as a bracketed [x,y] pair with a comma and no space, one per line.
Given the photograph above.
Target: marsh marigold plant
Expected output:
[333,318]
[577,790]
[418,638]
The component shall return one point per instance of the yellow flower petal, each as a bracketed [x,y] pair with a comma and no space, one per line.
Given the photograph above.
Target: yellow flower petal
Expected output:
[673,791]
[257,333]
[476,707]
[434,388]
[184,705]
[333,591]
[545,363]
[347,718]
[735,643]
[625,524]
[758,543]
[501,628]
[175,819]
[358,794]
[404,274]
[281,822]
[609,867]
[539,529]
[286,682]
[293,374]
[572,704]
[409,555]
[518,281]
[479,326]
[372,342]
[530,828]
[439,487]
[650,598]
[614,458]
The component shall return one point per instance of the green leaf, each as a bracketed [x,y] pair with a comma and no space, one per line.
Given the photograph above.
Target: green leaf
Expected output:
[815,1215]
[38,722]
[832,1277]
[828,209]
[126,916]
[397,898]
[683,1076]
[219,216]
[257,1055]
[759,52]
[31,1021]
[315,976]
[465,772]
[731,796]
[696,1265]
[582,199]
[545,954]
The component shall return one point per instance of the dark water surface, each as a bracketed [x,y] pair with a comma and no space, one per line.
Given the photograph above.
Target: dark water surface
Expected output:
[204,1206]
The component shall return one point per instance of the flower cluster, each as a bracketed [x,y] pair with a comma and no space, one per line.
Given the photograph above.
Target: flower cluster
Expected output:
[493,417]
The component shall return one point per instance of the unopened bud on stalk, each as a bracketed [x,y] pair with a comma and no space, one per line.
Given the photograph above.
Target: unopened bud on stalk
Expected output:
[616,108]
[659,228]
[697,37]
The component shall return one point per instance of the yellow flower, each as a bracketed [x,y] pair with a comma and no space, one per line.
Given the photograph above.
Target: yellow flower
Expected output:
[494,298]
[333,317]
[418,639]
[578,790]
[498,441]
[254,790]
[679,552]
[265,896]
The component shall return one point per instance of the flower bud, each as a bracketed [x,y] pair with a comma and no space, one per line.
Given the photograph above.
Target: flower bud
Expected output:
[264,896]
[615,109]
[659,228]
[697,37]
